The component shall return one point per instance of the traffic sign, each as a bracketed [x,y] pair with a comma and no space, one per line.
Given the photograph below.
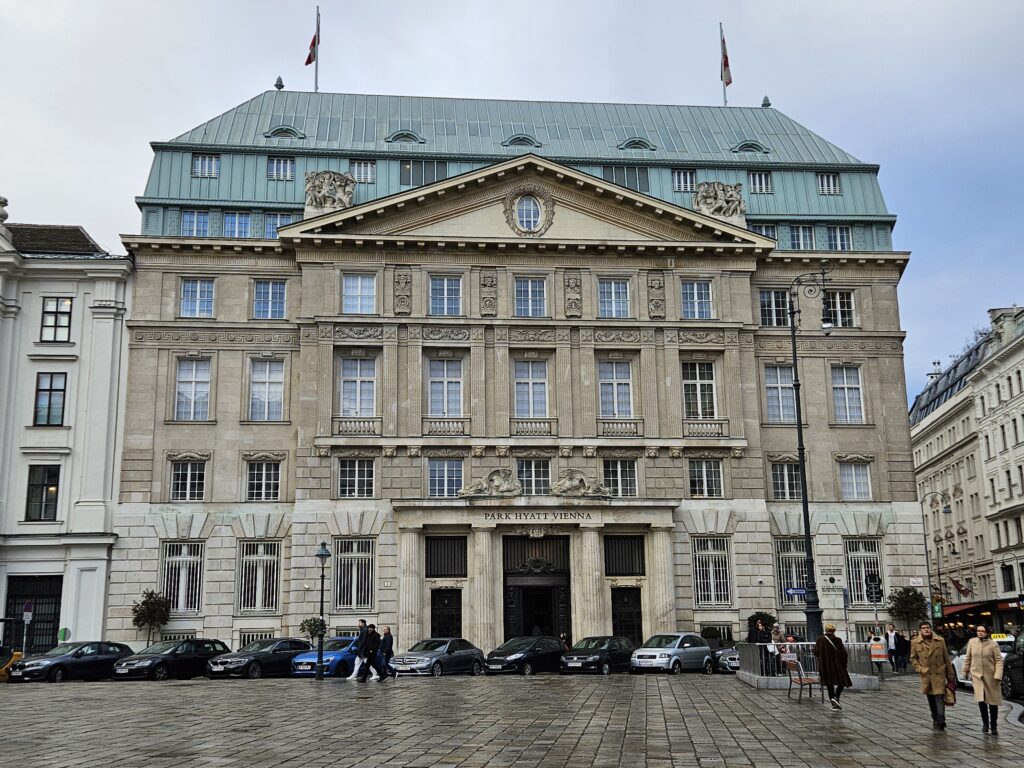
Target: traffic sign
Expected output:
[795,591]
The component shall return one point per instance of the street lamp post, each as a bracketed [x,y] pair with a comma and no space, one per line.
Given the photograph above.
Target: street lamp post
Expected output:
[938,554]
[323,555]
[811,284]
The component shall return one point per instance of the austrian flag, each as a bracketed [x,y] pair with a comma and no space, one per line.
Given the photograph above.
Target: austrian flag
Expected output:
[313,45]
[726,74]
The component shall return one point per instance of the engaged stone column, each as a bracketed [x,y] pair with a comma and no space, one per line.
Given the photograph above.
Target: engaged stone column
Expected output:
[484,623]
[410,586]
[662,581]
[588,588]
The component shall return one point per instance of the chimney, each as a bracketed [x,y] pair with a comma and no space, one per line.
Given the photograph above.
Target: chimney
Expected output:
[935,372]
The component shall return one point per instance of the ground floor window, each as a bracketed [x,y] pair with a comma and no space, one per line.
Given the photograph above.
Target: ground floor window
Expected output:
[712,571]
[353,568]
[862,560]
[725,636]
[183,575]
[791,570]
[252,635]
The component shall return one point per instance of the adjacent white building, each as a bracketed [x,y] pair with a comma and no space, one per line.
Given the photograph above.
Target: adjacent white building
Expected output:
[62,310]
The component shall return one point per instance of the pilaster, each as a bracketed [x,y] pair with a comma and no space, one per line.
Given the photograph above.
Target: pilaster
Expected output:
[410,586]
[587,585]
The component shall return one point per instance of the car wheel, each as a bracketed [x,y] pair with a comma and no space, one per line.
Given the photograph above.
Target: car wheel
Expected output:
[255,671]
[57,675]
[159,672]
[436,670]
[527,669]
[709,667]
[1006,686]
[677,668]
[634,671]
[342,670]
[476,669]
[606,668]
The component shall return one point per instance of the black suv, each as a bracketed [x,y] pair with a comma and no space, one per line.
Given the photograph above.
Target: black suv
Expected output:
[170,658]
[1013,670]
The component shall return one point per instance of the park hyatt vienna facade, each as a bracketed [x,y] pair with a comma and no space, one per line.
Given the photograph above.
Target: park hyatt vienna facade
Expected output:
[523,366]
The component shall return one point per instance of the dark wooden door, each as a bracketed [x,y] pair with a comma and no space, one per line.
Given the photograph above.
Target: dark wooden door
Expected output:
[446,613]
[627,614]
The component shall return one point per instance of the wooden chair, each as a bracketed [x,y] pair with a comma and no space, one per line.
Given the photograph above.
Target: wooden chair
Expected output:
[802,679]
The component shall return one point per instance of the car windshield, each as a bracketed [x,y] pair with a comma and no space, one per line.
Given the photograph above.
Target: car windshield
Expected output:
[429,645]
[338,645]
[661,641]
[591,644]
[61,650]
[163,647]
[516,644]
[258,645]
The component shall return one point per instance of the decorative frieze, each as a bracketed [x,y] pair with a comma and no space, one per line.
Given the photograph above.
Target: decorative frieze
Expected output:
[573,482]
[500,482]
[783,458]
[855,458]
[403,292]
[215,337]
[358,332]
[188,455]
[656,295]
[573,293]
[264,455]
[532,335]
[442,453]
[488,293]
[533,452]
[445,333]
[621,453]
[617,336]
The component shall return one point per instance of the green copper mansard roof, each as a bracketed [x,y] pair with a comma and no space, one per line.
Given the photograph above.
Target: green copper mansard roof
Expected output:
[489,127]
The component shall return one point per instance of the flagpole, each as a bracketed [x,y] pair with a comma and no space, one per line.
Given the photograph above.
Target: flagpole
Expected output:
[721,64]
[316,57]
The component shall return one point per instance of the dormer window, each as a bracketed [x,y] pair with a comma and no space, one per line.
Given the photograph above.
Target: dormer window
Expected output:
[637,143]
[749,145]
[405,137]
[520,140]
[284,132]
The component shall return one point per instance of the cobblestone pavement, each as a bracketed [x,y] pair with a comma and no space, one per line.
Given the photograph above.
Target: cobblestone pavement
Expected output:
[548,721]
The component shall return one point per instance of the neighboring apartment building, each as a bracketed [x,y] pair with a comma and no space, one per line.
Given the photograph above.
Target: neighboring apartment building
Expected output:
[62,312]
[508,360]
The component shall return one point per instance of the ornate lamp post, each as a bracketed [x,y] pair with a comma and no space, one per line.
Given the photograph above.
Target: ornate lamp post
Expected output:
[938,554]
[811,284]
[323,555]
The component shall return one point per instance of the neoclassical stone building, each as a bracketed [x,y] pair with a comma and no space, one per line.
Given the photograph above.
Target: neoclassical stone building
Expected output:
[524,367]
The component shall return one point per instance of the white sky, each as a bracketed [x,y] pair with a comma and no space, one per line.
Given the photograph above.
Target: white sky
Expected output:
[929,89]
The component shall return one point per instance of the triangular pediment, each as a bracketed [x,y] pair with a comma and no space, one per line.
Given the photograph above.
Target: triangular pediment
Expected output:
[571,206]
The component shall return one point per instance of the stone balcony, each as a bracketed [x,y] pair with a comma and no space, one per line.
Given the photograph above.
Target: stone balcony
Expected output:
[445,425]
[698,428]
[620,427]
[533,427]
[355,425]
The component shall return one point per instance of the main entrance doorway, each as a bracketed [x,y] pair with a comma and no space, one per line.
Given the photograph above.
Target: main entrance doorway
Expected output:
[627,614]
[536,586]
[446,613]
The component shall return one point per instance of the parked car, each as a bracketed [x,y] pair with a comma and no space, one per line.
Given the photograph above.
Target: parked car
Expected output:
[339,659]
[1013,669]
[439,656]
[726,659]
[258,659]
[170,658]
[673,652]
[526,655]
[604,654]
[1005,643]
[70,661]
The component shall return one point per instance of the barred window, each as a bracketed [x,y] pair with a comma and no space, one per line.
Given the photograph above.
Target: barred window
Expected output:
[444,387]
[268,299]
[56,320]
[445,557]
[445,477]
[684,180]
[251,636]
[613,298]
[614,388]
[43,489]
[188,480]
[534,476]
[620,476]
[355,478]
[259,576]
[699,391]
[854,482]
[236,224]
[196,298]
[358,386]
[839,308]
[633,177]
[280,168]
[774,308]
[354,573]
[696,300]
[531,389]
[530,297]
[417,172]
[712,571]
[364,171]
[766,230]
[192,390]
[847,402]
[271,221]
[839,239]
[359,294]
[624,556]
[195,223]
[801,237]
[264,481]
[759,182]
[50,391]
[828,184]
[446,296]
[785,481]
[183,575]
[790,569]
[266,390]
[862,559]
[778,381]
[205,166]
[706,479]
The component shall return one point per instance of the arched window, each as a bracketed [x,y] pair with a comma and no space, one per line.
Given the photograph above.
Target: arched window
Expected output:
[636,142]
[528,213]
[520,140]
[750,145]
[284,132]
[405,137]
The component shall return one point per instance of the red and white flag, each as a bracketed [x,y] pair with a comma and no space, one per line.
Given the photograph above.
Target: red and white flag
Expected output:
[314,44]
[726,73]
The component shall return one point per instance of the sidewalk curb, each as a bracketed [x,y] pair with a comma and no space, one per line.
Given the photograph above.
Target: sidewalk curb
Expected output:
[1013,716]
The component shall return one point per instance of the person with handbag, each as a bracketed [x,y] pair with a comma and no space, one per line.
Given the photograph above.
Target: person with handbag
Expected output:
[930,657]
[984,666]
[832,665]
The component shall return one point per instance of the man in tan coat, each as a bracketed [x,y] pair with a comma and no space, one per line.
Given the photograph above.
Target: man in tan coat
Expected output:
[984,665]
[930,657]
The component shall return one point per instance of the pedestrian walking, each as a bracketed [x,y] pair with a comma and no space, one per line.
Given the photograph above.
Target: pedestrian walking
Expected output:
[902,652]
[357,663]
[763,638]
[984,666]
[832,665]
[930,657]
[890,646]
[369,648]
[387,652]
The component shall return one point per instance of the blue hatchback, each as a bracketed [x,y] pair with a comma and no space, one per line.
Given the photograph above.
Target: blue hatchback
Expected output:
[339,659]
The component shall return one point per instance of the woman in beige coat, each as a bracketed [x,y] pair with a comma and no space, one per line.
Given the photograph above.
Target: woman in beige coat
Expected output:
[984,666]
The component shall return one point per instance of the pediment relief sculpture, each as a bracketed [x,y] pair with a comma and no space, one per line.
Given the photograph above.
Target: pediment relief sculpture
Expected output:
[500,482]
[721,200]
[573,482]
[328,191]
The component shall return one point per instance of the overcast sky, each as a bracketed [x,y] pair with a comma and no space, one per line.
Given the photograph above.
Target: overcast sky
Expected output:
[929,89]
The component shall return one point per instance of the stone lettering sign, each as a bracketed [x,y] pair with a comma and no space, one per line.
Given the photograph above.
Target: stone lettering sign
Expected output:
[541,517]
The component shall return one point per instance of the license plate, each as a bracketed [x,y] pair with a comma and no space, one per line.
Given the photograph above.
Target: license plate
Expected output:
[494,666]
[216,668]
[575,663]
[402,667]
[646,663]
[121,671]
[15,673]
[305,666]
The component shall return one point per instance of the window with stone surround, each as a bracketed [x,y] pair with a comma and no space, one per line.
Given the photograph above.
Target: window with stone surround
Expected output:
[49,405]
[705,478]
[696,300]
[354,566]
[444,478]
[781,399]
[790,569]
[854,482]
[188,480]
[613,297]
[863,558]
[355,478]
[620,476]
[699,401]
[530,298]
[444,387]
[839,308]
[712,572]
[183,575]
[268,299]
[531,389]
[847,398]
[266,390]
[785,481]
[259,576]
[358,294]
[614,382]
[445,295]
[192,390]
[774,308]
[196,297]
[263,481]
[357,383]
[535,476]
[56,320]
[43,490]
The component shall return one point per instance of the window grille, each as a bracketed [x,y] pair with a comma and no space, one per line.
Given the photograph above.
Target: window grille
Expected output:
[355,478]
[259,576]
[712,572]
[43,489]
[446,296]
[444,385]
[620,476]
[779,390]
[264,481]
[862,559]
[364,171]
[281,168]
[445,557]
[624,556]
[183,575]
[268,300]
[790,569]
[266,390]
[56,320]
[614,388]
[774,308]
[725,638]
[50,391]
[847,402]
[854,482]
[530,297]
[697,300]
[630,176]
[839,308]
[252,635]
[534,476]
[801,237]
[359,294]
[613,298]
[236,224]
[358,386]
[192,390]
[786,481]
[354,574]
[445,477]
[759,182]
[684,180]
[531,385]
[839,239]
[706,479]
[195,223]
[196,298]
[188,480]
[828,184]
[205,166]
[699,391]
[178,635]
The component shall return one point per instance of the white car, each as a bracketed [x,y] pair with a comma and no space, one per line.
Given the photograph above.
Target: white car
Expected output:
[1005,644]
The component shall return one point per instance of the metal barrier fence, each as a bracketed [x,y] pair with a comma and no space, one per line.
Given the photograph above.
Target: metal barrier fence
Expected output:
[766,659]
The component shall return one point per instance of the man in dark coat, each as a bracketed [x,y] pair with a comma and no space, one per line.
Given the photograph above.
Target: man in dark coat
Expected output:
[832,670]
[357,664]
[387,652]
[759,634]
[368,648]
